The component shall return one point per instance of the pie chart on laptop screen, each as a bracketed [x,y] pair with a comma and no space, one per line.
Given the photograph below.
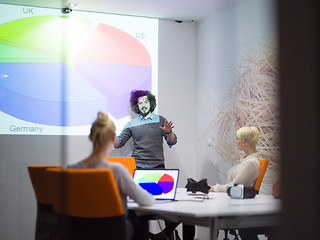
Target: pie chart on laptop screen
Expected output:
[157,183]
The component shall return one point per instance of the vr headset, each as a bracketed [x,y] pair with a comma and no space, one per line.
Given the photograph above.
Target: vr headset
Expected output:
[194,186]
[240,191]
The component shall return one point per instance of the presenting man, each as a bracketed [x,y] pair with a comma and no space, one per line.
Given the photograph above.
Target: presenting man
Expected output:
[147,130]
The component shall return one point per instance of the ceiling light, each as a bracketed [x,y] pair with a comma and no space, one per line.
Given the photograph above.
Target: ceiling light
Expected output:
[66,10]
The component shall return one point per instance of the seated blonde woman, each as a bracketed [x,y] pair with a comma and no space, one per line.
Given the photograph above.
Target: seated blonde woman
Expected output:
[102,135]
[247,171]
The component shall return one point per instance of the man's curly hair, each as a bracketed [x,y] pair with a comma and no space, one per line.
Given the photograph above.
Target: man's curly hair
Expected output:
[136,94]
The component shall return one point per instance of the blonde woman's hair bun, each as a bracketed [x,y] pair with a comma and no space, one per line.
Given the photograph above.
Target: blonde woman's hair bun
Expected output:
[102,131]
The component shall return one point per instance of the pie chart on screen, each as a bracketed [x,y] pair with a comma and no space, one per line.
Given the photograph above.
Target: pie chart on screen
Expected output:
[50,72]
[157,183]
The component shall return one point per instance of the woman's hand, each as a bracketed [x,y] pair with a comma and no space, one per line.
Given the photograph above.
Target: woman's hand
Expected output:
[116,142]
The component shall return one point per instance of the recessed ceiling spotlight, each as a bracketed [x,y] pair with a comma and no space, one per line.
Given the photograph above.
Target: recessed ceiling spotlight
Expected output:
[72,4]
[66,10]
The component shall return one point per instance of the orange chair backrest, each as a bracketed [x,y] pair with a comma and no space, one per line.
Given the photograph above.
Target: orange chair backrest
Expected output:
[39,180]
[128,162]
[55,184]
[88,193]
[263,168]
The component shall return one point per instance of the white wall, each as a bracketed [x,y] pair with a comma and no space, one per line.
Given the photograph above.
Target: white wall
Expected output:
[177,70]
[221,40]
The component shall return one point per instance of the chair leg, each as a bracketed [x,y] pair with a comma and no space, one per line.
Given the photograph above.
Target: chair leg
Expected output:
[235,234]
[226,234]
[176,235]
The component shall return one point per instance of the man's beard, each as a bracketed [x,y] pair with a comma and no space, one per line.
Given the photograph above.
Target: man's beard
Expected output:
[143,114]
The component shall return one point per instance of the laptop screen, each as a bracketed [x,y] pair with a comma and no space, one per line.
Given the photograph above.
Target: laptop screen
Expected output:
[161,183]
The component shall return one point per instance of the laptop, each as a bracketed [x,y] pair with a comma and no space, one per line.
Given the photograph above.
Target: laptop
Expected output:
[161,183]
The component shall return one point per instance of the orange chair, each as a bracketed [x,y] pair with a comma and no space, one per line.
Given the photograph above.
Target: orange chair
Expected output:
[55,184]
[263,168]
[128,162]
[47,220]
[89,204]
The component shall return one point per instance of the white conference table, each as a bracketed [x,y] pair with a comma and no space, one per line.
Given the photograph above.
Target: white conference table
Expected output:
[217,211]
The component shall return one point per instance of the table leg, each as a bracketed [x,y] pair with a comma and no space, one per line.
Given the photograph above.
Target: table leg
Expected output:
[214,228]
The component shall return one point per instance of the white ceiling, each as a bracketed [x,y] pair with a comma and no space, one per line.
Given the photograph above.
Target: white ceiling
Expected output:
[182,10]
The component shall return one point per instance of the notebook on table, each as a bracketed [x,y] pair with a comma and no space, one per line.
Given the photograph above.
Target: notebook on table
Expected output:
[161,183]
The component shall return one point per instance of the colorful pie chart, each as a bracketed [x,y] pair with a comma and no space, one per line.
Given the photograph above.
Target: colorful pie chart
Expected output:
[157,183]
[53,66]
